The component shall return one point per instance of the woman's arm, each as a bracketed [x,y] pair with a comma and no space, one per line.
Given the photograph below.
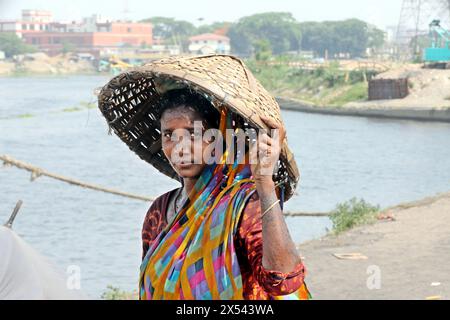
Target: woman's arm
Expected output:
[250,239]
[279,252]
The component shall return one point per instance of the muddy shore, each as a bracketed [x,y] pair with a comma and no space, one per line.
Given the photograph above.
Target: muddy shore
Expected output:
[417,113]
[41,64]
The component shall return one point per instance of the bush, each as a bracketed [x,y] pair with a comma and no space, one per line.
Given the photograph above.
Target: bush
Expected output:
[11,44]
[114,293]
[357,92]
[353,213]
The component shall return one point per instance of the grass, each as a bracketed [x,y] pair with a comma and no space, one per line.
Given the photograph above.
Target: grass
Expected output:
[83,105]
[25,116]
[88,105]
[327,85]
[114,293]
[353,213]
[71,109]
[357,92]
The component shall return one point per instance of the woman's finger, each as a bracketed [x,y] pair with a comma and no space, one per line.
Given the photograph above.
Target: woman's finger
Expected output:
[264,148]
[275,126]
[264,138]
[271,123]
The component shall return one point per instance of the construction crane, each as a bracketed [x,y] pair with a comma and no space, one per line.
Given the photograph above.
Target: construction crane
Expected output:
[414,21]
[439,50]
[438,54]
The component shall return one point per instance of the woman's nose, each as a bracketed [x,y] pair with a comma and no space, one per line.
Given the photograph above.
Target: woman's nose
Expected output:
[185,147]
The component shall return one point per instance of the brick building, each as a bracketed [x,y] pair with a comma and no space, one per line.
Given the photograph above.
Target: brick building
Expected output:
[94,34]
[110,36]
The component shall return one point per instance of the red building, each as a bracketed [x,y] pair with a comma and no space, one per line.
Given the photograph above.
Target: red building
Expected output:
[109,36]
[93,34]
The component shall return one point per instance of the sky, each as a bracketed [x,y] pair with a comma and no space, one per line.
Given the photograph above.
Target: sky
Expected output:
[379,12]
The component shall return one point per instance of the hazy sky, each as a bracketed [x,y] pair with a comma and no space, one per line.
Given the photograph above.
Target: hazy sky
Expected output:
[380,12]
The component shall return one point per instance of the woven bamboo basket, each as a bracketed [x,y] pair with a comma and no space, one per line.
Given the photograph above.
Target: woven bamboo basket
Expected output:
[129,101]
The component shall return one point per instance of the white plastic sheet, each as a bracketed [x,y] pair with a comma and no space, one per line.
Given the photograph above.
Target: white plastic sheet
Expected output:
[27,275]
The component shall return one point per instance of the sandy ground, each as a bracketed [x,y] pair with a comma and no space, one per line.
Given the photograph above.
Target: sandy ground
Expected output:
[7,68]
[430,88]
[40,63]
[408,258]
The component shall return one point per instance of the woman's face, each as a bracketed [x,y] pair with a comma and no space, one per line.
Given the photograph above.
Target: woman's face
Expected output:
[182,143]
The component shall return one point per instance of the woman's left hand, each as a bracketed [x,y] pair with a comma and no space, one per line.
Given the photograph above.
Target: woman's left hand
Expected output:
[265,153]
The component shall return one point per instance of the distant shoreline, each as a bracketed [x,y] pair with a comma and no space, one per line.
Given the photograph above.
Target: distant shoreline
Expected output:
[416,114]
[50,75]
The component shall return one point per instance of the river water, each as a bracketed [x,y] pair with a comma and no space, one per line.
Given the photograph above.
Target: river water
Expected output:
[383,161]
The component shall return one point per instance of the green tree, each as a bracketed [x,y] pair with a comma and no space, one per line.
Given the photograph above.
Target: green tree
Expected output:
[317,37]
[350,37]
[210,28]
[263,51]
[172,31]
[376,37]
[11,44]
[280,29]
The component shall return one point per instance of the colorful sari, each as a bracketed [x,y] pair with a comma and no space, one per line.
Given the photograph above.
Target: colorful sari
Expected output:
[194,257]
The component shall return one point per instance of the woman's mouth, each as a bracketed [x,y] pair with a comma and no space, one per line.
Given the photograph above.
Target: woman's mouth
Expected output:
[185,165]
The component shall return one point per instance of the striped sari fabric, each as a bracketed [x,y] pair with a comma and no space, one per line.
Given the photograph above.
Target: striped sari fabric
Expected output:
[194,257]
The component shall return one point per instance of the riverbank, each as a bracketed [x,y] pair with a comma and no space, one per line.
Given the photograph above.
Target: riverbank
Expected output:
[409,253]
[41,64]
[336,88]
[428,89]
[417,113]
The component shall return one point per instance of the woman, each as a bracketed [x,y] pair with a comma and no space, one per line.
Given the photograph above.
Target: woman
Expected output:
[221,235]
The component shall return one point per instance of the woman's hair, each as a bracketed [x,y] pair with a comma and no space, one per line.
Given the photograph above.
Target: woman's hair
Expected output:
[186,98]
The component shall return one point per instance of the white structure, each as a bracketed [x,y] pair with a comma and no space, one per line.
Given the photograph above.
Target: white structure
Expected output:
[32,21]
[391,33]
[37,16]
[40,20]
[209,43]
[94,23]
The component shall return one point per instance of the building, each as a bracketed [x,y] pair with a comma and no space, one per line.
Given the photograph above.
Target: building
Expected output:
[32,21]
[107,36]
[209,43]
[95,34]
